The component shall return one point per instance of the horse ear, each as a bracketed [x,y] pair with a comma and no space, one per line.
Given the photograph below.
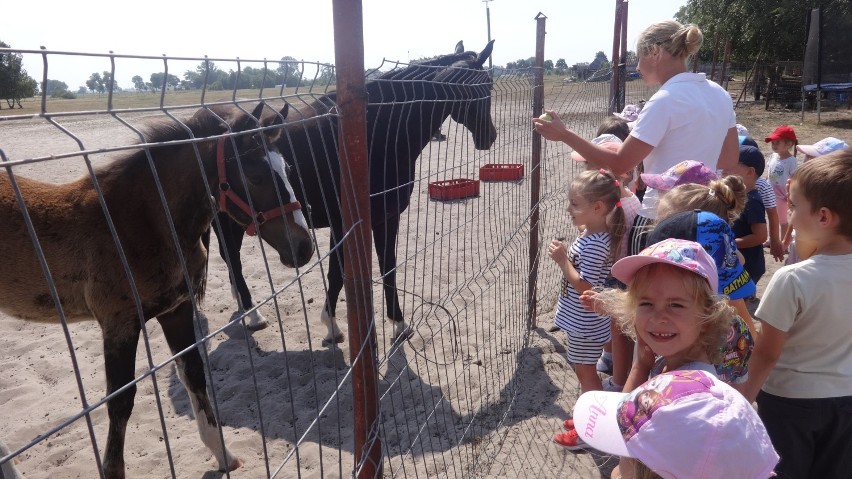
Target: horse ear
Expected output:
[485,53]
[258,110]
[278,118]
[459,47]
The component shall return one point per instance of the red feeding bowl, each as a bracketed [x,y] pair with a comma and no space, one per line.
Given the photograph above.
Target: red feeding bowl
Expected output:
[501,172]
[453,189]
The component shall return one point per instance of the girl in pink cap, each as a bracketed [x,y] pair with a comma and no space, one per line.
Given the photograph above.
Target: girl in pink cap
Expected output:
[672,309]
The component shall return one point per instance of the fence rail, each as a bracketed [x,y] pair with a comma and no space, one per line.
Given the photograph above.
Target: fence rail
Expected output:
[473,392]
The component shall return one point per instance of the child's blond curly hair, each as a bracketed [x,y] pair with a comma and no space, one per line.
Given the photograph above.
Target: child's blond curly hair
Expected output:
[716,320]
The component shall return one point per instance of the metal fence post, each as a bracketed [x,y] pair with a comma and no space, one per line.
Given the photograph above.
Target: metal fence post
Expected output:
[535,185]
[358,247]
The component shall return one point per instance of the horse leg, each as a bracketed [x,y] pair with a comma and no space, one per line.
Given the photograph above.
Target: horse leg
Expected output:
[180,334]
[8,469]
[230,242]
[120,342]
[384,237]
[335,284]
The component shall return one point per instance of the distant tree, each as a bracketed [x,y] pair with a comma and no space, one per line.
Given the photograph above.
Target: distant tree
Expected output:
[548,66]
[631,58]
[289,72]
[158,79]
[773,28]
[138,83]
[82,90]
[205,73]
[561,65]
[55,87]
[95,83]
[600,62]
[15,82]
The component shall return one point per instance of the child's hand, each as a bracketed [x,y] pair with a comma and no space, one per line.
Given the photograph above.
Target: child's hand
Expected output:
[776,249]
[558,252]
[589,302]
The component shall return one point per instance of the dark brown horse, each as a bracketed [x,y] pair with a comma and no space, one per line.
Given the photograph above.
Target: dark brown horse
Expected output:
[405,108]
[155,264]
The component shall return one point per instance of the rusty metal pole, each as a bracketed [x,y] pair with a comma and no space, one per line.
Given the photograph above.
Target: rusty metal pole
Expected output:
[535,184]
[358,247]
[616,54]
[622,71]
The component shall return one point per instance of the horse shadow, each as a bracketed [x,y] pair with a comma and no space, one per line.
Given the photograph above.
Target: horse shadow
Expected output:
[305,396]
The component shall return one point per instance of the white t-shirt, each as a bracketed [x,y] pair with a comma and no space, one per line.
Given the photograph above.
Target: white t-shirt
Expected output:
[687,119]
[631,206]
[811,301]
[779,170]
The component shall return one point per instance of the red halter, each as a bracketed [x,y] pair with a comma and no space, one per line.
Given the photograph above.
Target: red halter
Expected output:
[226,193]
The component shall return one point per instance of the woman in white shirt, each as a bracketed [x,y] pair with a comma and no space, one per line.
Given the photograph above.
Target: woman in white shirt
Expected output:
[689,118]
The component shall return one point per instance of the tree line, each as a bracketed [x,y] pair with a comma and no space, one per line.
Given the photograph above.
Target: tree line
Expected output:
[16,84]
[769,29]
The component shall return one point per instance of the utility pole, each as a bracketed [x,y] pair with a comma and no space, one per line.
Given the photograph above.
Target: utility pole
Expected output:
[488,22]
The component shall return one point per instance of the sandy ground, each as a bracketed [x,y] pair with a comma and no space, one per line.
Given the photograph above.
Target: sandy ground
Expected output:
[470,395]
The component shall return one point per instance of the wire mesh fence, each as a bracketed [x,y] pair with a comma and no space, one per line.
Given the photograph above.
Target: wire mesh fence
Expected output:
[473,392]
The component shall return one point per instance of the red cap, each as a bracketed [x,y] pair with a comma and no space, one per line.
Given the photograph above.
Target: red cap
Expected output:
[783,132]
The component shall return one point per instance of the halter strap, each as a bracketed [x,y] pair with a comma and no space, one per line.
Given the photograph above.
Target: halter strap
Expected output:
[226,193]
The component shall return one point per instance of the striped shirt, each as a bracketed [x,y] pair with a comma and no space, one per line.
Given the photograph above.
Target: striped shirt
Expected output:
[590,257]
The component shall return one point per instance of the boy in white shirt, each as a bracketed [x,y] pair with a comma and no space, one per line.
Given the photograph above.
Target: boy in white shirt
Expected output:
[801,368]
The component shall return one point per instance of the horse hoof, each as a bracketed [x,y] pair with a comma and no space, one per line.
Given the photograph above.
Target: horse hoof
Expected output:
[257,326]
[235,464]
[337,339]
[403,335]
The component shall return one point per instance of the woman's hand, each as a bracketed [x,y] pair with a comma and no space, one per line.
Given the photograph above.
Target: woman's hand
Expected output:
[553,129]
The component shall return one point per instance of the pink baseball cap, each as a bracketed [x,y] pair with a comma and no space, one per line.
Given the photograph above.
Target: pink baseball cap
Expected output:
[823,147]
[607,140]
[688,255]
[679,424]
[688,171]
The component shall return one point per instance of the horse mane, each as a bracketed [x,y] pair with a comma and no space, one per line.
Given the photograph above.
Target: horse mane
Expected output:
[412,71]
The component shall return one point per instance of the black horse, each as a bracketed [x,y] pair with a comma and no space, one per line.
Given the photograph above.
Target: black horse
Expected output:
[405,107]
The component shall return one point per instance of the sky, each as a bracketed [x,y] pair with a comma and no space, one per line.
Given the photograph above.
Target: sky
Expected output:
[400,30]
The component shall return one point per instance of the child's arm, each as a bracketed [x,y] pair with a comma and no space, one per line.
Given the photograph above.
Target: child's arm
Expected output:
[767,350]
[643,361]
[757,237]
[558,252]
[776,247]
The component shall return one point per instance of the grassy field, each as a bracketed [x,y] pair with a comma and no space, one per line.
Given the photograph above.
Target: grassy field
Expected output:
[97,102]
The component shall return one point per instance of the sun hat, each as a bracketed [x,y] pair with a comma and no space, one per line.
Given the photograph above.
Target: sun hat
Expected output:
[823,147]
[717,238]
[752,157]
[688,255]
[629,113]
[688,171]
[680,424]
[607,140]
[783,132]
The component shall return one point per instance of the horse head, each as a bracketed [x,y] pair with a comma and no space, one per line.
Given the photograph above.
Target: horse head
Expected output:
[467,87]
[253,185]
